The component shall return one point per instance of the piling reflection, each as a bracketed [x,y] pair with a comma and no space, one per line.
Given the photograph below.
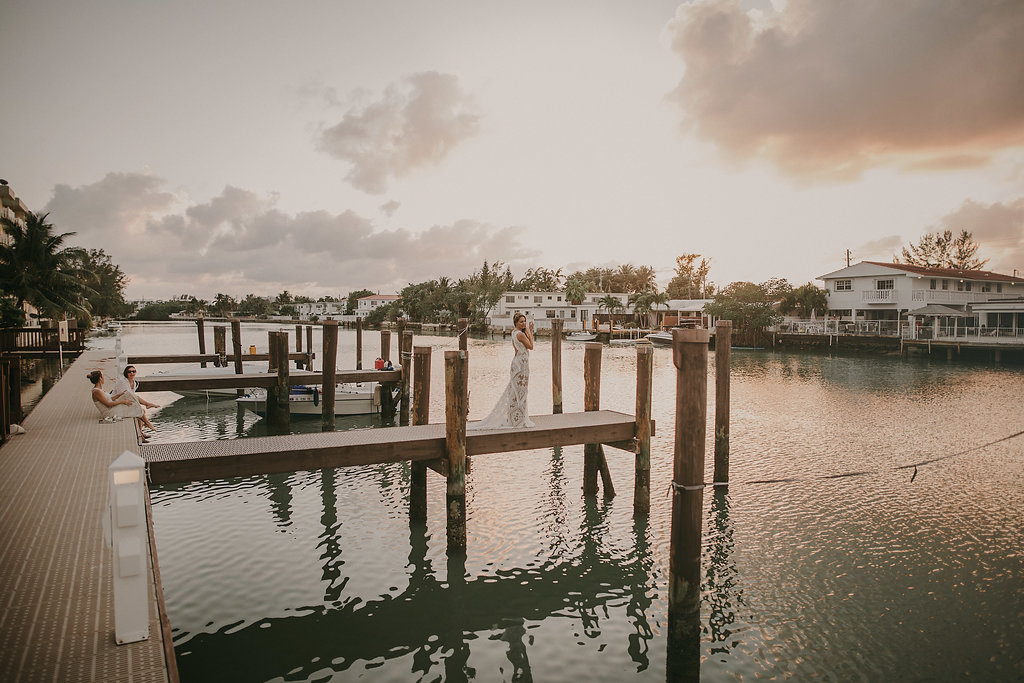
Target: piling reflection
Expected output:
[439,614]
[721,587]
[684,629]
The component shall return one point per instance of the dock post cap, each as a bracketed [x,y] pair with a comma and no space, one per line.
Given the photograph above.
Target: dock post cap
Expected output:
[128,538]
[686,336]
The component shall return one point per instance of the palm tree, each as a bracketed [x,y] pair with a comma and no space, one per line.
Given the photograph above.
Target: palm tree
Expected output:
[610,303]
[36,269]
[575,289]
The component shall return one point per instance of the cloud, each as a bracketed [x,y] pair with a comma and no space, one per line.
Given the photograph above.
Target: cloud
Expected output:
[881,249]
[239,242]
[998,229]
[413,125]
[829,89]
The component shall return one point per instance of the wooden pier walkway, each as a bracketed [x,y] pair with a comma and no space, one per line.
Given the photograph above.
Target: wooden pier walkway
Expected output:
[196,460]
[57,618]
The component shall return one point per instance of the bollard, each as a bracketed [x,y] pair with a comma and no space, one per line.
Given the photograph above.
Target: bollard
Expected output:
[128,541]
[236,348]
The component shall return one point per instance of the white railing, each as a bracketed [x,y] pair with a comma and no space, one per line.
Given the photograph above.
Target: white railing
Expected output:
[939,296]
[874,328]
[999,335]
[879,296]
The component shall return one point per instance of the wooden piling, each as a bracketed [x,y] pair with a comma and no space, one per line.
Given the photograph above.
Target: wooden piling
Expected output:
[405,357]
[220,345]
[329,363]
[464,334]
[309,348]
[385,344]
[236,347]
[642,481]
[359,343]
[202,338]
[594,462]
[272,351]
[455,448]
[420,416]
[5,402]
[723,352]
[690,356]
[556,366]
[298,345]
[284,414]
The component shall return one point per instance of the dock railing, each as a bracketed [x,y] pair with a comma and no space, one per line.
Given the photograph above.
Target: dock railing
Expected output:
[38,339]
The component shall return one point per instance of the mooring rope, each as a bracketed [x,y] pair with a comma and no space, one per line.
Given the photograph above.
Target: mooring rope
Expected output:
[675,487]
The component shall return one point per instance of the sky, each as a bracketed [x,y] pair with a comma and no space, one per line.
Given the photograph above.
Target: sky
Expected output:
[325,146]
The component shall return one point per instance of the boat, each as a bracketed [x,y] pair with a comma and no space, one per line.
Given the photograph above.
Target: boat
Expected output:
[581,336]
[633,339]
[663,338]
[355,398]
[212,370]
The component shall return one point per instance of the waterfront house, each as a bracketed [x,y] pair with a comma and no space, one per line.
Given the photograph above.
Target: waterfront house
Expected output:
[321,309]
[889,292]
[547,306]
[365,305]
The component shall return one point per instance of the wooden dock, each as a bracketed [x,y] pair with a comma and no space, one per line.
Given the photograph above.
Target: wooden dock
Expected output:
[193,461]
[57,621]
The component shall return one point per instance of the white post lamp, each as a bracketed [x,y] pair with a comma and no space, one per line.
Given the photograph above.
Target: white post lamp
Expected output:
[128,536]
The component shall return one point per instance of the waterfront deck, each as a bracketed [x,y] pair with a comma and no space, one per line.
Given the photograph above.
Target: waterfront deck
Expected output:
[57,620]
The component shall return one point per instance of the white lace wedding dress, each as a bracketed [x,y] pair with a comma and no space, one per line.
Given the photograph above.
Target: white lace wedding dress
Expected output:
[511,410]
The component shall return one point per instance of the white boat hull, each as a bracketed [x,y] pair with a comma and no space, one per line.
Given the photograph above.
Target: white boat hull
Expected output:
[349,399]
[581,336]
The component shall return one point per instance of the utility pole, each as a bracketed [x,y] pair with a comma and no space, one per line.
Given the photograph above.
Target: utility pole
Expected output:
[847,258]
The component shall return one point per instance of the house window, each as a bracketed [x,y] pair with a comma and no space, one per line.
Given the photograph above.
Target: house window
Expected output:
[884,284]
[999,287]
[945,284]
[986,286]
[538,299]
[572,313]
[844,285]
[549,298]
[510,299]
[968,285]
[549,313]
[559,298]
[933,284]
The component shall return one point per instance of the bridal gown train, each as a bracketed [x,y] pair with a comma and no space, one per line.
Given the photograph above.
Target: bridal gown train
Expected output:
[511,410]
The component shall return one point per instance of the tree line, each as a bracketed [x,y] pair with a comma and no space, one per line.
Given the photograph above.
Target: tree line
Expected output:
[36,268]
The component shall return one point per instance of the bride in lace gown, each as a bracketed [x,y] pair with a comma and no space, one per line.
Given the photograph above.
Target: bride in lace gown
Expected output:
[511,410]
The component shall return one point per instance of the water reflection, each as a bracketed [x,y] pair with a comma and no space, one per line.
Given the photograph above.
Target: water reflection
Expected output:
[438,616]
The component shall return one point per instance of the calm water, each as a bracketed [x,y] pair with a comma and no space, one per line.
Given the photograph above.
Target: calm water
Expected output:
[317,576]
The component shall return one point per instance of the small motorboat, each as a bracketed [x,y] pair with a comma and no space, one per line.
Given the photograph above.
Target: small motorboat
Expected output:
[581,336]
[356,398]
[213,371]
[663,338]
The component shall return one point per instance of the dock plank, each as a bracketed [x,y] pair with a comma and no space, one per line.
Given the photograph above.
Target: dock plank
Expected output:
[192,461]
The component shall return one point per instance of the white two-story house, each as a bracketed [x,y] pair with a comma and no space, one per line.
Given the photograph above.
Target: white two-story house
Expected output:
[872,290]
[366,304]
[547,306]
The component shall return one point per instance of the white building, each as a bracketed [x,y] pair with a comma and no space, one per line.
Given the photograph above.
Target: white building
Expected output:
[321,309]
[872,290]
[544,307]
[366,304]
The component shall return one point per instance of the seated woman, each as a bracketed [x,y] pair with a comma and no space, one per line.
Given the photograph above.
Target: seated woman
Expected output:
[128,384]
[113,407]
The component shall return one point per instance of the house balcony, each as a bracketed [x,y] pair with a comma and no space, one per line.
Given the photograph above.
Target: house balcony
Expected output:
[880,296]
[941,296]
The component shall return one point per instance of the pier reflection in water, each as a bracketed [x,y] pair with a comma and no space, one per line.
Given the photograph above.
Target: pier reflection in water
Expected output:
[319,576]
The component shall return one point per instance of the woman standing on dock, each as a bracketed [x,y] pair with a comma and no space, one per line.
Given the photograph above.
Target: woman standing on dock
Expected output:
[511,409]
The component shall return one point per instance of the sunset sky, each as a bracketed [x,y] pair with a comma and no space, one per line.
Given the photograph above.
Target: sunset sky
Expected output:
[324,146]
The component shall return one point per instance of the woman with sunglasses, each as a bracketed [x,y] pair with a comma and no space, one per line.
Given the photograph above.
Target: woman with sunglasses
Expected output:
[129,384]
